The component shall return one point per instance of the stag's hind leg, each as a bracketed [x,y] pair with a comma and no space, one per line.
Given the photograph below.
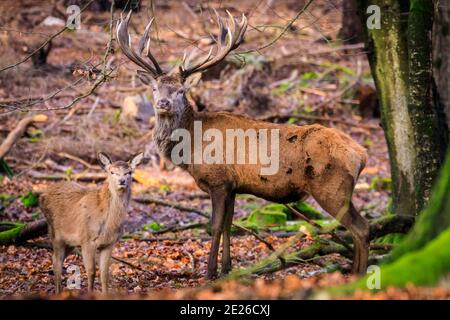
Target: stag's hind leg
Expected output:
[359,228]
[337,202]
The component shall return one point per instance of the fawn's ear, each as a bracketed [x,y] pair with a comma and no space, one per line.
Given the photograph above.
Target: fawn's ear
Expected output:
[105,160]
[137,159]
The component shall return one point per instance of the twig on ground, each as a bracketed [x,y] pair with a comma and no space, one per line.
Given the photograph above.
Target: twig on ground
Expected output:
[74,158]
[180,228]
[17,132]
[205,215]
[336,238]
[88,176]
[191,259]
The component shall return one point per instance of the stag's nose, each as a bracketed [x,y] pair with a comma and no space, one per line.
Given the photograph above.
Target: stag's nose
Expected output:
[122,182]
[164,104]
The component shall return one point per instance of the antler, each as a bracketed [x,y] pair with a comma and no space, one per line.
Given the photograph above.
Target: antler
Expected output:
[235,36]
[124,40]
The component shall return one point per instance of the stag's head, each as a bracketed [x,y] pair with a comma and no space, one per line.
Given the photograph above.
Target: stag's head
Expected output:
[169,88]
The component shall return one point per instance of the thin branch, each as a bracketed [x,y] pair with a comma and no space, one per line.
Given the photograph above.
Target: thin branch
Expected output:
[336,238]
[203,214]
[285,29]
[44,43]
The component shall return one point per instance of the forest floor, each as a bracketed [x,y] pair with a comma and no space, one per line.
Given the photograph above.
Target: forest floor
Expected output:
[307,73]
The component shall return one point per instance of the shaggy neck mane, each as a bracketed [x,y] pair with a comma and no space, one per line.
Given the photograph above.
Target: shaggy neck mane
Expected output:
[165,125]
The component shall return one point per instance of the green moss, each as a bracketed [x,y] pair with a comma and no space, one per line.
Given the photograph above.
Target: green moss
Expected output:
[30,199]
[264,218]
[10,231]
[391,238]
[424,7]
[308,210]
[424,267]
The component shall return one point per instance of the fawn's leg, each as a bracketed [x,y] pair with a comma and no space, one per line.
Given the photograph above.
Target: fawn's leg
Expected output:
[218,199]
[58,260]
[88,253]
[104,260]
[226,254]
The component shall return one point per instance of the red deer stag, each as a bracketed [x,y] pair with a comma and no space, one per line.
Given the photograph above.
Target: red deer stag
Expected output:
[312,160]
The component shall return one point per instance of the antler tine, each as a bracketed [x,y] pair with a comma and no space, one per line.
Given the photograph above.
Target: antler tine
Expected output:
[224,47]
[223,32]
[146,40]
[240,31]
[124,40]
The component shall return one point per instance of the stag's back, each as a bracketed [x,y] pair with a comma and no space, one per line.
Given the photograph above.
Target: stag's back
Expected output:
[308,156]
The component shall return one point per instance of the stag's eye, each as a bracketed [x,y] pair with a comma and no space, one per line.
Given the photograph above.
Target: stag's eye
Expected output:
[180,91]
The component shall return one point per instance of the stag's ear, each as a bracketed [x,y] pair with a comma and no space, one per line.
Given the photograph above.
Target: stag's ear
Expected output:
[146,78]
[192,80]
[105,160]
[137,159]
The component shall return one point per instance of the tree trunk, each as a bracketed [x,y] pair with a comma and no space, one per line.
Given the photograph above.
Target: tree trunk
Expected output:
[441,54]
[432,221]
[351,30]
[400,58]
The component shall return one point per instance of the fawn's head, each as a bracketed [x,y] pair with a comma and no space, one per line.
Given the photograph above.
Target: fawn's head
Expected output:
[119,172]
[169,89]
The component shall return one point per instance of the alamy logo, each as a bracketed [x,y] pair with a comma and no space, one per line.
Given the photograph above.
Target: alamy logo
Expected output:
[374,20]
[74,280]
[239,146]
[373,281]
[74,18]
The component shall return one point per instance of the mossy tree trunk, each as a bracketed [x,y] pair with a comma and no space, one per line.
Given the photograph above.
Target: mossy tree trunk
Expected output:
[441,53]
[400,58]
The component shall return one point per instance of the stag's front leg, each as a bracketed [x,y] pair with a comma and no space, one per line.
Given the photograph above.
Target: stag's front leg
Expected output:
[226,254]
[218,199]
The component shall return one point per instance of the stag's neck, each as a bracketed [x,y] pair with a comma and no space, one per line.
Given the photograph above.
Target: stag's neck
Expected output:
[165,127]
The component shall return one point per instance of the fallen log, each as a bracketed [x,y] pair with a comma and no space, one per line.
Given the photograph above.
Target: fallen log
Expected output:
[18,131]
[385,225]
[86,176]
[17,233]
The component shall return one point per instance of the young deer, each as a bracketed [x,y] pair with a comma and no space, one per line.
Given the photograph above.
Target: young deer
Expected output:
[90,218]
[313,160]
